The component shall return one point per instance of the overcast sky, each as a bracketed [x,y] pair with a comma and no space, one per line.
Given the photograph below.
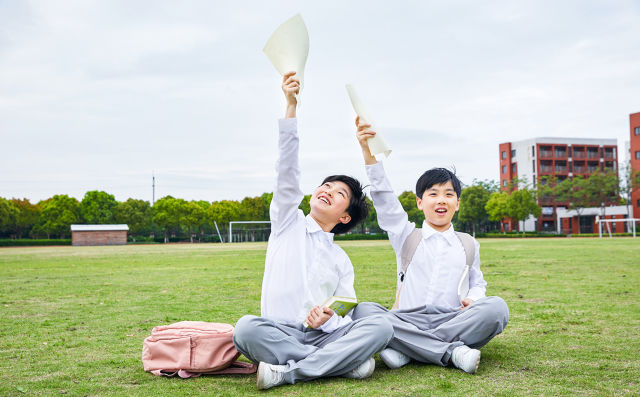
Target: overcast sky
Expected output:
[98,95]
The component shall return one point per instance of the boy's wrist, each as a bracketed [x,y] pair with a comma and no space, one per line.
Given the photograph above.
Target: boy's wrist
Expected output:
[290,111]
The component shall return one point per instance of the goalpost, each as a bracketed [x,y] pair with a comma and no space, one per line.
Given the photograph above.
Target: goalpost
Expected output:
[242,222]
[631,221]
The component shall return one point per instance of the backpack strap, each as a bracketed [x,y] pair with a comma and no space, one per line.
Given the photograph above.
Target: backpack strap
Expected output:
[406,254]
[470,253]
[237,367]
[469,247]
[409,250]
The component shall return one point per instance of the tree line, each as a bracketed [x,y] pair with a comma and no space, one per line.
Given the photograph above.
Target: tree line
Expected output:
[482,206]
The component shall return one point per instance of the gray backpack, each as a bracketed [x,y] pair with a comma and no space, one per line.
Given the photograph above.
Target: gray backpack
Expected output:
[409,250]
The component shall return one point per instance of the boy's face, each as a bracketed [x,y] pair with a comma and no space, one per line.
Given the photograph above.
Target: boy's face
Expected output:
[439,203]
[329,202]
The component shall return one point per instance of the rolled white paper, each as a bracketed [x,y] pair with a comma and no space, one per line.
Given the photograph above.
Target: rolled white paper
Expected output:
[288,47]
[377,145]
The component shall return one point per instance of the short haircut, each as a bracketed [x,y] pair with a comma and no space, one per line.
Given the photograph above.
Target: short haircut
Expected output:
[437,176]
[358,208]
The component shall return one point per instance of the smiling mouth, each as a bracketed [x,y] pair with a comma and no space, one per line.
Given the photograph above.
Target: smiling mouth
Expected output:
[441,211]
[324,199]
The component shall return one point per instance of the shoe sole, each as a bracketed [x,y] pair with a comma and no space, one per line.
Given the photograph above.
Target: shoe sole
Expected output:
[475,367]
[389,363]
[372,368]
[260,380]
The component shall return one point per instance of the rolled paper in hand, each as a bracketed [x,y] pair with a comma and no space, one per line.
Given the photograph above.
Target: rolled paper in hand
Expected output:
[288,48]
[377,145]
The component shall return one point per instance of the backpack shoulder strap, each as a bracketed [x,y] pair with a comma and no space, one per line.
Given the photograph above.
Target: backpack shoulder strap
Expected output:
[409,250]
[469,247]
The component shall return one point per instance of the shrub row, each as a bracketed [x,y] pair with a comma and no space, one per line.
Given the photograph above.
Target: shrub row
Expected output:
[33,242]
[359,236]
[519,235]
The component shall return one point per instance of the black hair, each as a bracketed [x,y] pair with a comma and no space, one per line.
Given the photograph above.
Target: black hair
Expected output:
[437,176]
[358,208]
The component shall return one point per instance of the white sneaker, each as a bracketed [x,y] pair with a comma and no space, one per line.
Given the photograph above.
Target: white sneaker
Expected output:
[466,358]
[363,370]
[269,375]
[393,358]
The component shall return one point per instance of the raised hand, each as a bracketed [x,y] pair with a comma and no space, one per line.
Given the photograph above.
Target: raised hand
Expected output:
[364,133]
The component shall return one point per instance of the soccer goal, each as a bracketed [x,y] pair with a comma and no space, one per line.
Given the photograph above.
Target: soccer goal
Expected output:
[244,232]
[631,223]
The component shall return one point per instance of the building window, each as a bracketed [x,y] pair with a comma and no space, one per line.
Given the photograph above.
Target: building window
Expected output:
[513,153]
[638,155]
[513,169]
[533,165]
[504,169]
[533,151]
[504,155]
[637,131]
[504,182]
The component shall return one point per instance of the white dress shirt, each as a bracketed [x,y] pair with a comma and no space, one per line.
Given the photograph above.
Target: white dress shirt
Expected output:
[303,267]
[436,268]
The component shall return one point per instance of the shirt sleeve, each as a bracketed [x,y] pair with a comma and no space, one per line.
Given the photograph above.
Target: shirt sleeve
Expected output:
[477,285]
[287,194]
[392,218]
[344,288]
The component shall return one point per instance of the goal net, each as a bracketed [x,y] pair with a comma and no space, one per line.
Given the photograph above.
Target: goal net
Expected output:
[242,231]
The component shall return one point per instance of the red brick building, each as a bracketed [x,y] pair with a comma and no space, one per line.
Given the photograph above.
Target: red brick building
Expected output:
[561,158]
[99,234]
[634,151]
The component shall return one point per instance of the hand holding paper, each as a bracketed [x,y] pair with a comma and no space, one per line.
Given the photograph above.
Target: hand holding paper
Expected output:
[376,144]
[288,47]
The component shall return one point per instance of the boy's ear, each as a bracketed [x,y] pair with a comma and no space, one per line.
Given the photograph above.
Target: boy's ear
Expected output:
[345,219]
[458,204]
[419,202]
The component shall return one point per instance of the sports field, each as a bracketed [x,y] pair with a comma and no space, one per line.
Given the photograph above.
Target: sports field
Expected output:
[73,318]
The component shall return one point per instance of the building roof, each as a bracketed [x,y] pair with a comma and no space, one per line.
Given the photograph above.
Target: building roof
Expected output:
[571,141]
[98,228]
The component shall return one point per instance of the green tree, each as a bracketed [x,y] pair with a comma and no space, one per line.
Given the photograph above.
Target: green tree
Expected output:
[604,189]
[254,209]
[305,205]
[194,217]
[168,214]
[222,212]
[520,204]
[27,217]
[58,214]
[408,202]
[9,214]
[573,191]
[136,214]
[98,207]
[473,200]
[496,206]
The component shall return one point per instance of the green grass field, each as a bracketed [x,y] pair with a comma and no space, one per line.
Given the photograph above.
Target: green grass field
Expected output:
[73,319]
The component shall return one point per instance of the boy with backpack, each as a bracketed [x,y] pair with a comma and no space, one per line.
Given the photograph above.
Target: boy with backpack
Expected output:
[443,316]
[303,268]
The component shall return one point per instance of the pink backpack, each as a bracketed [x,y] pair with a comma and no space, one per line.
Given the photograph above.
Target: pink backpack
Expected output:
[192,348]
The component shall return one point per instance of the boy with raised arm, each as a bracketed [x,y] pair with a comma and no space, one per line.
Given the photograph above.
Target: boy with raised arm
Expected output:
[443,316]
[303,268]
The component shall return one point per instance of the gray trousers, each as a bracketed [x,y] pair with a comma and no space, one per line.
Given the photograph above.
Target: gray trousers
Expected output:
[308,353]
[430,333]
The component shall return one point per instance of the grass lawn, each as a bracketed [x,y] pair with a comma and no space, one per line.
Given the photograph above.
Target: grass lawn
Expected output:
[73,318]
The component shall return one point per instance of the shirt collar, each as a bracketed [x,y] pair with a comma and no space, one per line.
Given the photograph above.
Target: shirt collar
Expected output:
[313,227]
[449,234]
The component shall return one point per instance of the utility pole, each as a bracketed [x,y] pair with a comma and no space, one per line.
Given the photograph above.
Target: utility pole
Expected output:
[153,189]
